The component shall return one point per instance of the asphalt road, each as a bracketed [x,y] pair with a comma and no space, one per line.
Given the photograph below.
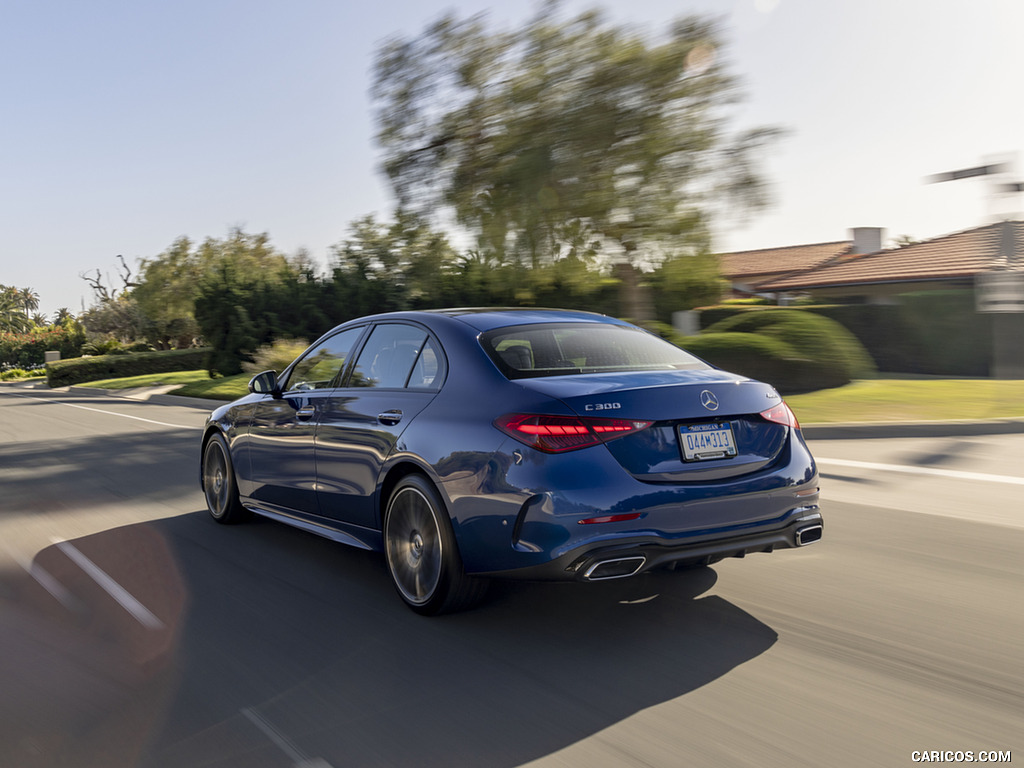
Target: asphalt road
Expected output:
[134,631]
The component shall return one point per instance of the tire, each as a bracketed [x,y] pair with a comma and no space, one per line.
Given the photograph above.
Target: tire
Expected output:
[219,485]
[421,552]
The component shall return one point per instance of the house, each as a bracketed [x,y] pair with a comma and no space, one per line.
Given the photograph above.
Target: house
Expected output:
[947,262]
[988,260]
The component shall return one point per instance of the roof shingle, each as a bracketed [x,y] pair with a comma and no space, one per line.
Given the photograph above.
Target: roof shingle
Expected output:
[962,254]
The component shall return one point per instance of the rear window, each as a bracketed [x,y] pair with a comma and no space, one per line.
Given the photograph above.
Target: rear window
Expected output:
[564,349]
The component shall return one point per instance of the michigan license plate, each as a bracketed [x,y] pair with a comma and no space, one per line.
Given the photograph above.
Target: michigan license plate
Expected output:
[702,442]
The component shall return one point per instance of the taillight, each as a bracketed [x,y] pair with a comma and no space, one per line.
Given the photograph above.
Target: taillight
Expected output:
[555,434]
[781,414]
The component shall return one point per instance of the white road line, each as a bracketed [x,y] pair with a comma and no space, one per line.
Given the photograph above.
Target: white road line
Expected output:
[930,471]
[282,742]
[127,601]
[46,580]
[100,410]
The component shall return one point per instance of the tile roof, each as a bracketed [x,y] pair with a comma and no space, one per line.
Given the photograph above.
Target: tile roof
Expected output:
[776,261]
[962,254]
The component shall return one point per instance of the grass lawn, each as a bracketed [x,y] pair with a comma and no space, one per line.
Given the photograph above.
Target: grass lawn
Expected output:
[226,388]
[189,384]
[911,400]
[870,400]
[151,380]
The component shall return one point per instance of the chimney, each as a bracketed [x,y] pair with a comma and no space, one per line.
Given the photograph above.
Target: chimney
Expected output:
[867,239]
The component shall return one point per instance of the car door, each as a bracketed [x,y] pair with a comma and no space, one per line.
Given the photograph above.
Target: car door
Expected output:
[397,373]
[281,436]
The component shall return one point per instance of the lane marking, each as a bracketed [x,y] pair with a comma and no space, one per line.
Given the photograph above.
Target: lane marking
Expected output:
[122,596]
[299,758]
[46,580]
[100,410]
[929,471]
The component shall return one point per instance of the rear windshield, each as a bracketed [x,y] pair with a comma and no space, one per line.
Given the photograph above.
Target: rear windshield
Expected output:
[564,349]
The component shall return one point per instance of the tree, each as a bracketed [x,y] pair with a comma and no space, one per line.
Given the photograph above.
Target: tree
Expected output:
[13,317]
[114,312]
[166,295]
[566,126]
[239,301]
[29,300]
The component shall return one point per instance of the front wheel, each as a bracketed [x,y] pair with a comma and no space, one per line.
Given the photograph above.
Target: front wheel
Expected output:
[422,556]
[219,483]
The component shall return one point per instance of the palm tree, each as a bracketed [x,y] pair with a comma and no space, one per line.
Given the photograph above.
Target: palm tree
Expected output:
[61,315]
[40,320]
[29,299]
[12,313]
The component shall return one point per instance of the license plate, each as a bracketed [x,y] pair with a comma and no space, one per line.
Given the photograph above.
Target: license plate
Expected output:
[702,442]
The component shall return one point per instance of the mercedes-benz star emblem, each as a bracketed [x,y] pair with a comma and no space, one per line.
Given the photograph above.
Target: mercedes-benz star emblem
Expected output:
[708,400]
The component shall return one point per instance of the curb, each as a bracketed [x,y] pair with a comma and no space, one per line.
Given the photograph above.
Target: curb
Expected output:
[152,395]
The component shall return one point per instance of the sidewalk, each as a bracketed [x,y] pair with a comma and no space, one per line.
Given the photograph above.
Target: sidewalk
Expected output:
[155,395]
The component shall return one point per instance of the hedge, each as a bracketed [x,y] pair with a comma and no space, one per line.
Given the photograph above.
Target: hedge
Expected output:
[938,333]
[83,369]
[930,332]
[758,356]
[833,356]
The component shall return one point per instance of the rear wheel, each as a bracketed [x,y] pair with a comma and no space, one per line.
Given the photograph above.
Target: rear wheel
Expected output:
[422,556]
[219,483]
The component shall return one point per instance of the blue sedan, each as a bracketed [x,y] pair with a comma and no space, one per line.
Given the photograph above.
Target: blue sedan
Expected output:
[540,444]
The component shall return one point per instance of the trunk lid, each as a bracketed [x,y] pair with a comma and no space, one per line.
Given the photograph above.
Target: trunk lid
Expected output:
[707,423]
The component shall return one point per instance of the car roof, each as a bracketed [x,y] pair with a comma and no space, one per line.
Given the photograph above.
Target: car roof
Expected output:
[488,318]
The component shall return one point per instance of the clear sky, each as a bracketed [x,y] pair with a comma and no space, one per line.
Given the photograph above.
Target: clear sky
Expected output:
[126,124]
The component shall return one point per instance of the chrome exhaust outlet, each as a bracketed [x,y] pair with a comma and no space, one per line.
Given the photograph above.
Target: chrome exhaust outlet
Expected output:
[619,568]
[808,535]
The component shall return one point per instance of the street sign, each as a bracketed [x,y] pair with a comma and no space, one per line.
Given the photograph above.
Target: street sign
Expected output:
[1001,291]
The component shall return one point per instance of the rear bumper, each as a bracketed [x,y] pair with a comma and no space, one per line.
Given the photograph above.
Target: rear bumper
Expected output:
[602,561]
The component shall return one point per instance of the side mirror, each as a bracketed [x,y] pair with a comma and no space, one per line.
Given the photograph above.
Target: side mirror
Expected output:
[265,384]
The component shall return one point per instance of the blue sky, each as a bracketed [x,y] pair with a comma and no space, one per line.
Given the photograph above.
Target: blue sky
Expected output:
[129,123]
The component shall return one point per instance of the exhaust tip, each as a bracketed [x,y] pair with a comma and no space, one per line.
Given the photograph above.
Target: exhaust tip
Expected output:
[808,535]
[618,568]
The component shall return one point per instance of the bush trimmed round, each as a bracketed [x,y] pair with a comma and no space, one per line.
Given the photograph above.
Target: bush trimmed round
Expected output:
[836,354]
[758,356]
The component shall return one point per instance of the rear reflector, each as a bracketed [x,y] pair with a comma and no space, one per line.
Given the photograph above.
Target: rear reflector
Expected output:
[610,519]
[556,434]
[781,414]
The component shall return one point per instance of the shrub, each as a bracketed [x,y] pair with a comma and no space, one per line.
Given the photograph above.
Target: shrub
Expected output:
[276,356]
[711,315]
[934,332]
[13,374]
[25,350]
[103,346]
[834,354]
[758,356]
[67,372]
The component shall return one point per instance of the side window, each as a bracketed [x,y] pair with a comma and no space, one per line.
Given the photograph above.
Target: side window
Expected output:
[388,357]
[428,373]
[320,364]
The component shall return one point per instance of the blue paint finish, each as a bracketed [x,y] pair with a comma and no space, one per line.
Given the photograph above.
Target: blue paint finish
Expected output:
[514,510]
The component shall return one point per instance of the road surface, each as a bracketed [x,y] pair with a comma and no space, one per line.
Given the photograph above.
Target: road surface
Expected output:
[134,631]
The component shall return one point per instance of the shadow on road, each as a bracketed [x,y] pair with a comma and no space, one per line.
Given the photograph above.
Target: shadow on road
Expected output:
[100,469]
[272,646]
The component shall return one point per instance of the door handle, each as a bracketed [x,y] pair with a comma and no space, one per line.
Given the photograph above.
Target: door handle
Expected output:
[305,412]
[390,417]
